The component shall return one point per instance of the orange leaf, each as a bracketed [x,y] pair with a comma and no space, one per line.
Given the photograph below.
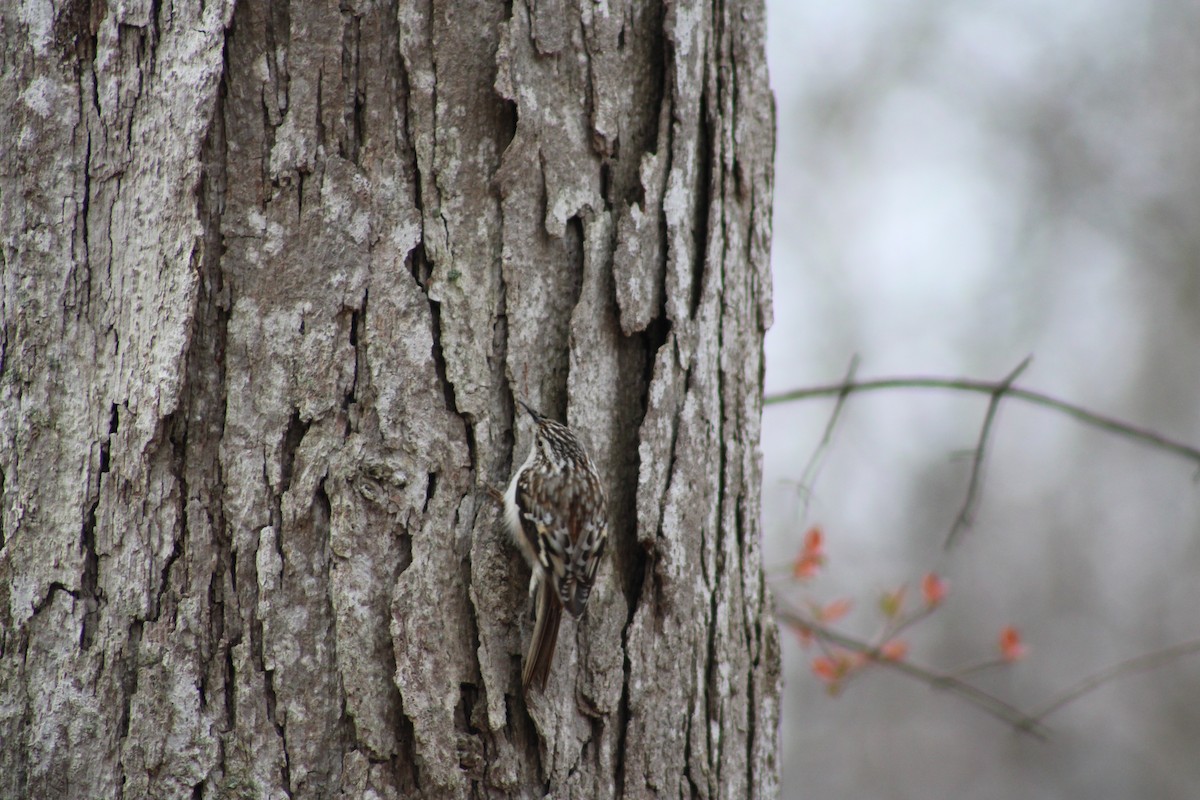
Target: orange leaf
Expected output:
[933,589]
[835,610]
[812,555]
[806,567]
[826,669]
[1011,646]
[814,541]
[834,668]
[894,650]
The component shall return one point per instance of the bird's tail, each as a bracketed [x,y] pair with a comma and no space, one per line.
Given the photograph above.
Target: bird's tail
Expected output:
[545,637]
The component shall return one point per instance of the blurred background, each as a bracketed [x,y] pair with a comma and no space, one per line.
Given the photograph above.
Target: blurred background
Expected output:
[960,185]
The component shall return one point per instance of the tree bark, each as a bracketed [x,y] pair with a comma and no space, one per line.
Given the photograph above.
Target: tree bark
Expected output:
[272,277]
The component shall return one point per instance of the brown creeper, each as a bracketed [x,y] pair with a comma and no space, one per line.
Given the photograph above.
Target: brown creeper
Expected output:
[556,513]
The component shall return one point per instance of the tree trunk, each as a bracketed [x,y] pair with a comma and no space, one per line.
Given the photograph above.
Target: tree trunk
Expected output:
[272,278]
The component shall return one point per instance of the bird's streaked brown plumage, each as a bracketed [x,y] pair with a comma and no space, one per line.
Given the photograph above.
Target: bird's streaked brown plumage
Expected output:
[556,512]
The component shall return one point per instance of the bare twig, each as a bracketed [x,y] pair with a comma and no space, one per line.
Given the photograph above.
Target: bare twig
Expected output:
[1142,663]
[890,632]
[974,669]
[1006,712]
[966,514]
[1100,421]
[809,477]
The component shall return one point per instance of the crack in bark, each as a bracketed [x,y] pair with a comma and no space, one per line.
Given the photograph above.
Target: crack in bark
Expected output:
[322,529]
[358,322]
[687,763]
[89,592]
[716,183]
[273,717]
[84,206]
[75,28]
[712,686]
[471,747]
[129,678]
[130,112]
[354,106]
[293,436]
[623,713]
[439,357]
[53,589]
[704,182]
[212,317]
[176,425]
[156,7]
[755,651]
[499,361]
[715,178]
[407,143]
[230,693]
[422,271]
[277,35]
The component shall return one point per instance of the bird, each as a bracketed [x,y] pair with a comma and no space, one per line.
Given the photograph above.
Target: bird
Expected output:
[557,514]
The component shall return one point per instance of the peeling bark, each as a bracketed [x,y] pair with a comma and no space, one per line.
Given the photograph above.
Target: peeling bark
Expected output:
[273,275]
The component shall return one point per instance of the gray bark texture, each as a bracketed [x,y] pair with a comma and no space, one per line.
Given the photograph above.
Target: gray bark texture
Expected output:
[273,275]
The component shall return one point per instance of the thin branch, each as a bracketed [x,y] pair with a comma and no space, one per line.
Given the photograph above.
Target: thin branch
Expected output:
[1105,423]
[809,477]
[1006,712]
[966,514]
[974,669]
[905,624]
[1142,663]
